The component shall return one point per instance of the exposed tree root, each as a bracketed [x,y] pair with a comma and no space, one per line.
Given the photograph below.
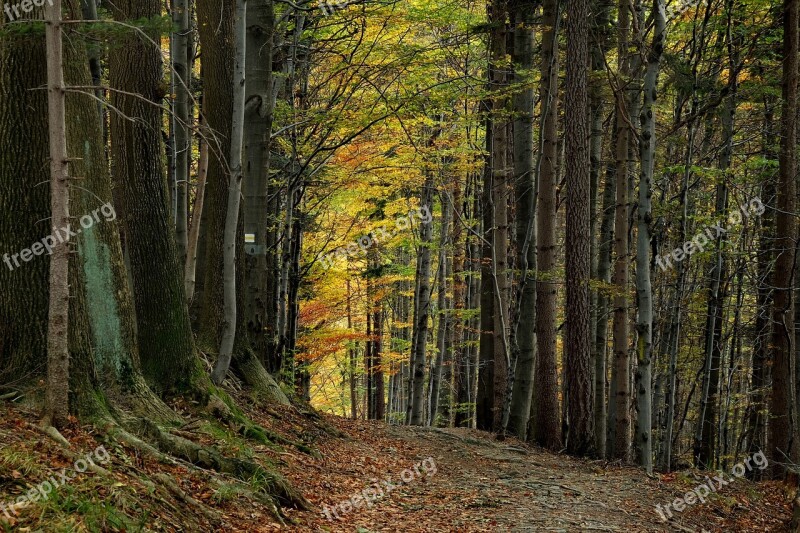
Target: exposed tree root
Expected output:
[249,368]
[211,459]
[178,493]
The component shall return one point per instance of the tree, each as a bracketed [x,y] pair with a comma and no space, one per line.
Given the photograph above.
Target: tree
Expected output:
[644,289]
[546,420]
[577,348]
[619,430]
[234,197]
[784,248]
[164,333]
[525,192]
[57,399]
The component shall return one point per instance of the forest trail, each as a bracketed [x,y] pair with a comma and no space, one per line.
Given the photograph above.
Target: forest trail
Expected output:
[481,484]
[464,481]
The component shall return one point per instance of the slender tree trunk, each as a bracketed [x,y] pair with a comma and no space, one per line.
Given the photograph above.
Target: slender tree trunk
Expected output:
[181,79]
[600,31]
[57,396]
[190,267]
[644,289]
[415,414]
[234,197]
[619,443]
[525,187]
[441,308]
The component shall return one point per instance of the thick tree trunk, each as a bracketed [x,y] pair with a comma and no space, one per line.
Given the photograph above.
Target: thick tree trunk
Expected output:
[258,128]
[169,361]
[781,423]
[576,130]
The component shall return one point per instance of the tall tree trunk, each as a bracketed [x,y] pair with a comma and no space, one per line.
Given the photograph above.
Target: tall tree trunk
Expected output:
[415,415]
[546,420]
[57,395]
[600,31]
[457,344]
[181,80]
[578,344]
[644,289]
[619,431]
[441,308]
[234,197]
[781,424]
[525,187]
[164,331]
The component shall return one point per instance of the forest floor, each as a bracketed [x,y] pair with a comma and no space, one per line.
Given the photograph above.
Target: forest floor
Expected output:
[464,480]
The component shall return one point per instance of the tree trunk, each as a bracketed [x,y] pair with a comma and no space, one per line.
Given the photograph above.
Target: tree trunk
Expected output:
[644,289]
[181,80]
[576,130]
[619,431]
[57,395]
[525,187]
[258,128]
[546,420]
[415,415]
[164,331]
[781,423]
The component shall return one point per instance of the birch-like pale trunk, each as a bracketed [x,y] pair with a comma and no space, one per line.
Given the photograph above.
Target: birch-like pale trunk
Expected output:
[234,196]
[57,395]
[644,288]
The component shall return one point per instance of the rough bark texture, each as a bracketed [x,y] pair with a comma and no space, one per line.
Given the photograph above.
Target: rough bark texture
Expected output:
[785,236]
[578,344]
[163,327]
[57,396]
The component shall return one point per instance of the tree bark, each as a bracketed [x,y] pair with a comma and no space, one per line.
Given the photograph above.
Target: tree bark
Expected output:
[578,344]
[57,395]
[546,421]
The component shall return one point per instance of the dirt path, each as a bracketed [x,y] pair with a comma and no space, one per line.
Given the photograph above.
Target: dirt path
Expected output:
[480,484]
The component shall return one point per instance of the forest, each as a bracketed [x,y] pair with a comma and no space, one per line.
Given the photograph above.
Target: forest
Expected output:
[399,265]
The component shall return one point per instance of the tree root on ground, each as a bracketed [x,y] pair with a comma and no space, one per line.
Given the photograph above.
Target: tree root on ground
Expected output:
[211,459]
